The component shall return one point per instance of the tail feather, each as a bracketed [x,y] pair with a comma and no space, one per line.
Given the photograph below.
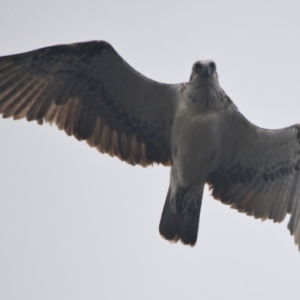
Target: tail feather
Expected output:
[190,225]
[184,226]
[169,222]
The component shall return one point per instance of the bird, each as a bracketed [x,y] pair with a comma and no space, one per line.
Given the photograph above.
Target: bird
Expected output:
[89,91]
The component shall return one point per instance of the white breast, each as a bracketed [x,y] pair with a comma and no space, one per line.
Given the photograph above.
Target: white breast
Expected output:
[194,144]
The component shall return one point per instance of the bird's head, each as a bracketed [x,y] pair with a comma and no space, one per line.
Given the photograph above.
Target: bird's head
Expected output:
[204,74]
[204,70]
[204,87]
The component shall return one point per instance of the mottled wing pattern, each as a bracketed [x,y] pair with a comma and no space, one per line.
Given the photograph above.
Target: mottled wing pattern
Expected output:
[90,92]
[260,174]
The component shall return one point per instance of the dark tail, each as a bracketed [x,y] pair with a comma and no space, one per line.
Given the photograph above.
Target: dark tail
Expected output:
[176,226]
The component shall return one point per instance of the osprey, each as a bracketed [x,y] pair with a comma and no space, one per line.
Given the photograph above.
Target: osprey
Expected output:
[90,92]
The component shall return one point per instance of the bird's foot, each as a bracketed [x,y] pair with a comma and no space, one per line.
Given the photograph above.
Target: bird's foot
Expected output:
[184,200]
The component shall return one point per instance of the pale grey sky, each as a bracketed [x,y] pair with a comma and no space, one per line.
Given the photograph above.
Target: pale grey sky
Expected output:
[75,224]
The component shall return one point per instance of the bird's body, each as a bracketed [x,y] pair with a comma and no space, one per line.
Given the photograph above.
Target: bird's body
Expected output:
[195,154]
[90,92]
[196,147]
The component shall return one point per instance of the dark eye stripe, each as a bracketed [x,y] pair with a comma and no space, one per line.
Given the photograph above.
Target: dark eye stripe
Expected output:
[197,66]
[213,66]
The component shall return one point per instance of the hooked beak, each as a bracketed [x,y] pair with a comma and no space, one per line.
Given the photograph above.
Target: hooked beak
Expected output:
[205,71]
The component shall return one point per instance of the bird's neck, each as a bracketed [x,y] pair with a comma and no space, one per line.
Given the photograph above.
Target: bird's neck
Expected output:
[204,96]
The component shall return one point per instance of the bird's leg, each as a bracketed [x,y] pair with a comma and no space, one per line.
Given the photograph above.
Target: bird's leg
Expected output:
[178,200]
[184,200]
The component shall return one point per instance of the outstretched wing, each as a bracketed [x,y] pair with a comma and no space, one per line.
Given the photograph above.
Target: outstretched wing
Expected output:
[90,92]
[259,173]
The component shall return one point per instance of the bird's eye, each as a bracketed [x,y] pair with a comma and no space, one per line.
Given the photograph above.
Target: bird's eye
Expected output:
[213,66]
[197,66]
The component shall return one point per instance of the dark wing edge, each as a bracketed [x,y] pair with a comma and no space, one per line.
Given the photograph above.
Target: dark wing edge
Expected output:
[261,174]
[90,92]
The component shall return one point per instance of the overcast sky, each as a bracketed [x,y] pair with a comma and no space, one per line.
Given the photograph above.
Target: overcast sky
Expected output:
[75,224]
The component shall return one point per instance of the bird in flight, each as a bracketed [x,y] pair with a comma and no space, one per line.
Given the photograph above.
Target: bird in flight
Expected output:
[90,92]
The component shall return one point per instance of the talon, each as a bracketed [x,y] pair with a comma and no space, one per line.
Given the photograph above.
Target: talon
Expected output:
[193,205]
